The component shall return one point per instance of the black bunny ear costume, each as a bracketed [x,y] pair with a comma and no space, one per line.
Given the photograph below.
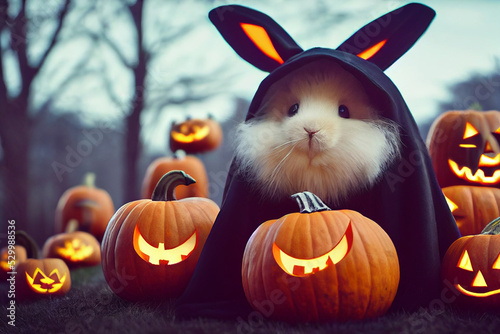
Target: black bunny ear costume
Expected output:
[406,202]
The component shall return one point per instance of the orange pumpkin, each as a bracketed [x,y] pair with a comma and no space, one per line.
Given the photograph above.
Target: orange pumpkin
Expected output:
[179,161]
[77,249]
[473,207]
[464,148]
[320,265]
[91,207]
[42,279]
[10,256]
[195,135]
[21,247]
[151,247]
[472,266]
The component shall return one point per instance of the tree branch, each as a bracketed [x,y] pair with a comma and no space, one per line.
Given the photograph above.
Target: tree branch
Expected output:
[45,107]
[116,50]
[164,41]
[57,32]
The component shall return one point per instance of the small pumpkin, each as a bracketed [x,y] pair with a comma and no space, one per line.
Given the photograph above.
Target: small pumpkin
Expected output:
[43,278]
[195,135]
[77,249]
[473,207]
[20,248]
[464,148]
[179,161]
[472,266]
[10,256]
[320,265]
[92,208]
[151,247]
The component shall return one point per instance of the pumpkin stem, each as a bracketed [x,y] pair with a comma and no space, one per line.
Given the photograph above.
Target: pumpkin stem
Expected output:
[72,226]
[179,154]
[493,227]
[165,188]
[309,202]
[25,240]
[89,180]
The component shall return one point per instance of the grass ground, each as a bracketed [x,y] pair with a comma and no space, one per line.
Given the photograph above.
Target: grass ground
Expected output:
[91,307]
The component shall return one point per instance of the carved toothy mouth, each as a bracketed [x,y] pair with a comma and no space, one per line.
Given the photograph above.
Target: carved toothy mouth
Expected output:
[304,267]
[159,254]
[43,284]
[75,250]
[488,174]
[198,133]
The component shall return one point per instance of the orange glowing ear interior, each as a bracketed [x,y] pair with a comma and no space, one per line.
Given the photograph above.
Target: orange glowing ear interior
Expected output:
[497,130]
[451,204]
[470,130]
[496,265]
[464,261]
[370,52]
[261,39]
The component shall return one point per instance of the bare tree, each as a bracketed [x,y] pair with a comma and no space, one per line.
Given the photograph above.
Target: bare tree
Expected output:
[151,92]
[15,119]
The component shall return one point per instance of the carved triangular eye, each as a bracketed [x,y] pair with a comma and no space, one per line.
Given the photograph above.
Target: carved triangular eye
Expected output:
[496,265]
[470,130]
[464,262]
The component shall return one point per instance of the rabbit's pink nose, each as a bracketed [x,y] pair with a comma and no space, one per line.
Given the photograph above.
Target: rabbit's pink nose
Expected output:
[311,132]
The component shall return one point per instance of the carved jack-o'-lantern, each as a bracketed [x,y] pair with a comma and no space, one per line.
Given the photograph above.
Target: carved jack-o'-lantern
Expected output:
[42,278]
[464,148]
[472,265]
[179,161]
[9,258]
[195,135]
[77,249]
[324,264]
[91,207]
[151,247]
[473,207]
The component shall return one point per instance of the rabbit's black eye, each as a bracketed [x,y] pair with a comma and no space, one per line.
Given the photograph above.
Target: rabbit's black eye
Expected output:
[343,111]
[293,110]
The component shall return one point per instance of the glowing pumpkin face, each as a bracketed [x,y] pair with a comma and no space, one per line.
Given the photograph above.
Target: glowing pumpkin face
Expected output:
[473,207]
[77,249]
[159,254]
[46,283]
[345,258]
[8,260]
[156,243]
[42,278]
[195,135]
[472,265]
[303,267]
[464,147]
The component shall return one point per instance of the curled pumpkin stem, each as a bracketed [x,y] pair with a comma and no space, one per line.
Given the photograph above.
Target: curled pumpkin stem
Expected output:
[165,188]
[493,227]
[25,240]
[309,202]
